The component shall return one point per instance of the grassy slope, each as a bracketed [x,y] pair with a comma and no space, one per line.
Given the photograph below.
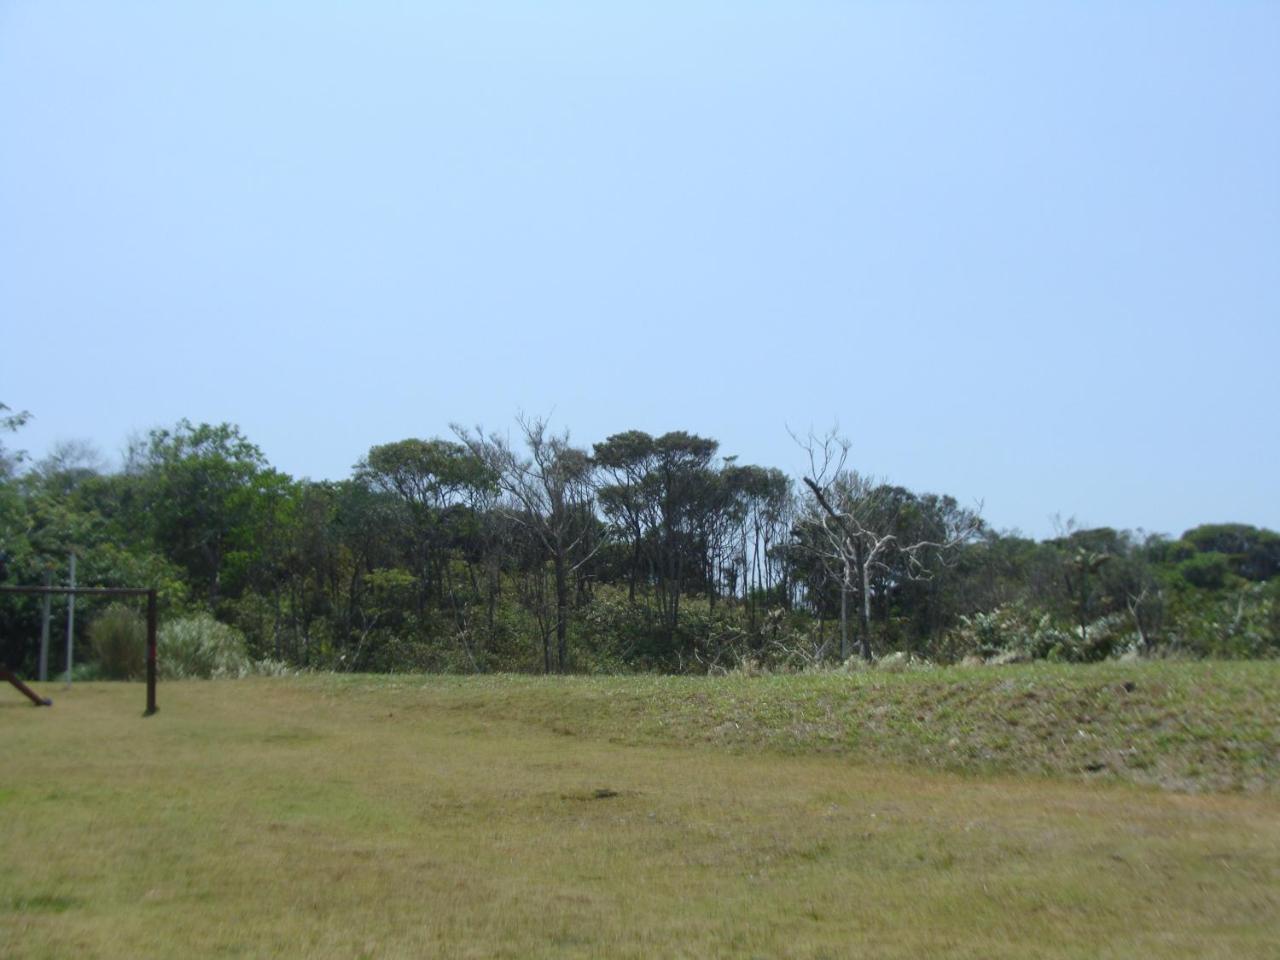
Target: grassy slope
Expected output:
[1185,726]
[429,817]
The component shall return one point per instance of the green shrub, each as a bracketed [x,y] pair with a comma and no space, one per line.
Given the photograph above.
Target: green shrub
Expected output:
[87,672]
[271,668]
[200,646]
[1241,624]
[1105,636]
[118,638]
[1010,629]
[1208,571]
[1014,632]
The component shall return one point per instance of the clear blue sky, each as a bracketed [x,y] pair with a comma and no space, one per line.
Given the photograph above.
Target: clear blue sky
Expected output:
[1022,252]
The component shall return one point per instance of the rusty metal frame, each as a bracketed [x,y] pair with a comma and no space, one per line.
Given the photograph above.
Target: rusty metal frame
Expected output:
[149,593]
[22,688]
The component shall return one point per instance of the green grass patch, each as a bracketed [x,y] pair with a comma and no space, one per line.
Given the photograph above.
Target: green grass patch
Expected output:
[639,817]
[41,903]
[1181,726]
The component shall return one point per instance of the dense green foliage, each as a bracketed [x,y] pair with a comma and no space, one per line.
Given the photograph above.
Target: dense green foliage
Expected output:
[640,553]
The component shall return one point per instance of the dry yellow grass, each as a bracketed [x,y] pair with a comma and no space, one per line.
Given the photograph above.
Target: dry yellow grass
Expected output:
[302,818]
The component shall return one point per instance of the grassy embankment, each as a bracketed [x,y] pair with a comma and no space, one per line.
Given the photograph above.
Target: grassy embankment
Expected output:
[1184,726]
[517,817]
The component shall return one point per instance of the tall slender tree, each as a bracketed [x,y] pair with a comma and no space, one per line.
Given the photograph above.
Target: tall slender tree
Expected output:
[550,491]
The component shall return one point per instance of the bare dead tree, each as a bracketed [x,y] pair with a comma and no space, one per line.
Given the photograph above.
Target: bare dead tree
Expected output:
[1144,607]
[858,531]
[549,491]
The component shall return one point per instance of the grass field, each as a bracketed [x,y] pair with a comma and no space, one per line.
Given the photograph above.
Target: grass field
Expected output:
[956,814]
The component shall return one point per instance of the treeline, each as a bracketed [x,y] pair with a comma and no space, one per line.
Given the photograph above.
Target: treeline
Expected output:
[639,552]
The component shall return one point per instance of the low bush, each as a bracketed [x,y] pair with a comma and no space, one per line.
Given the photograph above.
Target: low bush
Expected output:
[1242,624]
[118,638]
[272,668]
[201,647]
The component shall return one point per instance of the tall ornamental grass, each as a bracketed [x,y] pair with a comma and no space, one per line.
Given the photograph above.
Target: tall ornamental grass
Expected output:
[118,638]
[201,647]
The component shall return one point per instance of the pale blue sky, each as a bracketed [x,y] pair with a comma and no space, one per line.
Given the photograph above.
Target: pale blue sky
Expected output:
[1023,252]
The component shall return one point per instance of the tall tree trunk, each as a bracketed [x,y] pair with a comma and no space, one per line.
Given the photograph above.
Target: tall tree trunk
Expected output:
[635,567]
[562,611]
[844,618]
[865,613]
[492,587]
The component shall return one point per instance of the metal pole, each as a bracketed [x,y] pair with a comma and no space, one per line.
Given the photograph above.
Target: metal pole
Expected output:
[151,653]
[71,617]
[44,628]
